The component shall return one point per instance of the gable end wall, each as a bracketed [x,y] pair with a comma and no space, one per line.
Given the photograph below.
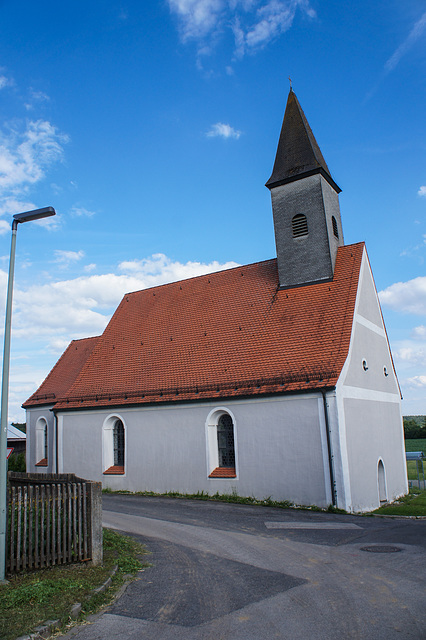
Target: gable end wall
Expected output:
[369,407]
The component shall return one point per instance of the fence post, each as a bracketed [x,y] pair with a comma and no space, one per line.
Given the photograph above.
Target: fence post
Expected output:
[95,489]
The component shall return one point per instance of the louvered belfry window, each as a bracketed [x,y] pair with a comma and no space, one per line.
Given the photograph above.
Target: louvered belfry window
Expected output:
[225,441]
[335,228]
[300,225]
[119,443]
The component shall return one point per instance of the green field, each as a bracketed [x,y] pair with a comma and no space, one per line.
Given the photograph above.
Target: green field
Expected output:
[416,445]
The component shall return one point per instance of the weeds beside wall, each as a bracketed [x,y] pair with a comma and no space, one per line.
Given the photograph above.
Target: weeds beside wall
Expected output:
[52,519]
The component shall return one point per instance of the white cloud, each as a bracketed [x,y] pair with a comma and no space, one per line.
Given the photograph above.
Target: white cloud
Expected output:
[51,224]
[422,191]
[416,382]
[419,333]
[26,154]
[81,211]
[407,297]
[254,23]
[197,17]
[89,267]
[4,82]
[36,97]
[65,258]
[222,130]
[159,269]
[272,19]
[415,33]
[11,205]
[411,356]
[5,227]
[80,307]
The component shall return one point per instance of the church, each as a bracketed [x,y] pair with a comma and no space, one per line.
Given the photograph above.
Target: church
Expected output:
[272,380]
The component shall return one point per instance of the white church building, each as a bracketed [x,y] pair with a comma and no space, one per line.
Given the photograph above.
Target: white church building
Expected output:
[272,379]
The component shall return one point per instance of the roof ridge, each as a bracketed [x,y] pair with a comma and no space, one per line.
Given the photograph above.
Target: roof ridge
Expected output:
[202,275]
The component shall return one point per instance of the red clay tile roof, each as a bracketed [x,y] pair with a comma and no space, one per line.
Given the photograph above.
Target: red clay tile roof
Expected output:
[63,374]
[227,334]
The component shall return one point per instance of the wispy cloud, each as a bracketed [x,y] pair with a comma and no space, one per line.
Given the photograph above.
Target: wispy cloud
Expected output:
[411,355]
[159,269]
[26,154]
[415,33]
[27,150]
[254,23]
[5,82]
[221,130]
[416,382]
[419,333]
[81,211]
[36,98]
[11,205]
[65,258]
[422,192]
[4,227]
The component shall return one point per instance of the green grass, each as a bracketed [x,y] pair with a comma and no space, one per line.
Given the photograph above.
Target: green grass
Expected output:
[47,594]
[228,497]
[414,504]
[418,444]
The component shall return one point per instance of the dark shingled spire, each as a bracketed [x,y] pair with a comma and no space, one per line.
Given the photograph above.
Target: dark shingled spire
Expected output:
[298,153]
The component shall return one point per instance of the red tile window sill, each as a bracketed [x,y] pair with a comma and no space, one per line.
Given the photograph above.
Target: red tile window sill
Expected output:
[115,470]
[42,463]
[223,472]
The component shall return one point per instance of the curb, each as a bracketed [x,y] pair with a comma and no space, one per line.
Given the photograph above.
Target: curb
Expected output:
[47,628]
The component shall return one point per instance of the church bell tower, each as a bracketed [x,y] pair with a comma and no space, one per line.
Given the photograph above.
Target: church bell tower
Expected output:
[305,204]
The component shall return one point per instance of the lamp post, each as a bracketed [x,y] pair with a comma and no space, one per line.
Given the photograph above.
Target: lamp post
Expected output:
[27,216]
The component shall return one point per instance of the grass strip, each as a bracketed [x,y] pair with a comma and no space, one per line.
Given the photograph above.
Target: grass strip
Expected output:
[33,597]
[413,504]
[228,497]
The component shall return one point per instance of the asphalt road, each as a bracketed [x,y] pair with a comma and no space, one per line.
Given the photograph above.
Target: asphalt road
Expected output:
[222,571]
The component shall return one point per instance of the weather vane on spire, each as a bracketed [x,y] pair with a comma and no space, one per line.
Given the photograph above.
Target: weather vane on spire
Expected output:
[291,86]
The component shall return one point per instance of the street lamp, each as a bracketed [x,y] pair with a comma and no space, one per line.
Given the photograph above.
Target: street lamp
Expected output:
[27,216]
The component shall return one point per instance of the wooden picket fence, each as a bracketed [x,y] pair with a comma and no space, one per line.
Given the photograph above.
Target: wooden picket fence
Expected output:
[51,520]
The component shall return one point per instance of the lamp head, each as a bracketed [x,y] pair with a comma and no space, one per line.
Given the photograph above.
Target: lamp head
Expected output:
[35,214]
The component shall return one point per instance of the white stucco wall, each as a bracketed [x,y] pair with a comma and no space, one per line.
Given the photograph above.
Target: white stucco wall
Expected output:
[280,445]
[369,407]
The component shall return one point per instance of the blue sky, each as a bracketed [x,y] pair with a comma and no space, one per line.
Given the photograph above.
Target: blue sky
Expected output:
[152,126]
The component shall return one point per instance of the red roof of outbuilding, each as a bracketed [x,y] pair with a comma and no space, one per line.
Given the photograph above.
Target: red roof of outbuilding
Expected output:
[227,334]
[63,374]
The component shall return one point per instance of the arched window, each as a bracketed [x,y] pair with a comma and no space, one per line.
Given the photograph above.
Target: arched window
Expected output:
[299,225]
[221,445]
[118,435]
[42,443]
[335,228]
[225,441]
[114,446]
